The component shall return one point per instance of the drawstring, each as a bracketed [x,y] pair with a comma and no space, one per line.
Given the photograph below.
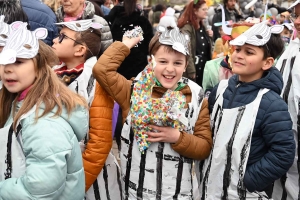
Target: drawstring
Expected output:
[8,162]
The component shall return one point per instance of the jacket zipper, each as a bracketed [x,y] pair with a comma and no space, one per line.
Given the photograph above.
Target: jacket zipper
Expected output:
[231,100]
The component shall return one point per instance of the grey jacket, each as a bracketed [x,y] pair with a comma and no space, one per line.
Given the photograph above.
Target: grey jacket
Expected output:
[89,13]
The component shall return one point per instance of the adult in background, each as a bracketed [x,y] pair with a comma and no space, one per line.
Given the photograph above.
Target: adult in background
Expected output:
[40,16]
[191,21]
[287,187]
[230,14]
[72,10]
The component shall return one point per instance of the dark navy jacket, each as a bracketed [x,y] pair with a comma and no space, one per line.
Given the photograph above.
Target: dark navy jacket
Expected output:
[41,16]
[272,146]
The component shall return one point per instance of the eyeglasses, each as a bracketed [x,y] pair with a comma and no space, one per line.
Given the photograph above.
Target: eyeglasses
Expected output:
[294,17]
[62,36]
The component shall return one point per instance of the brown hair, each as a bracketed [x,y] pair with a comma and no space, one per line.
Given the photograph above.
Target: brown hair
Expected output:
[154,45]
[92,39]
[188,16]
[47,89]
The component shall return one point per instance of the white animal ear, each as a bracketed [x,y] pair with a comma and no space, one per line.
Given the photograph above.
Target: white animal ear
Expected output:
[161,29]
[15,25]
[276,29]
[41,33]
[96,25]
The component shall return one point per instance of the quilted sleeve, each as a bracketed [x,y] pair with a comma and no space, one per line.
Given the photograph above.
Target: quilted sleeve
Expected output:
[277,132]
[100,136]
[198,145]
[105,72]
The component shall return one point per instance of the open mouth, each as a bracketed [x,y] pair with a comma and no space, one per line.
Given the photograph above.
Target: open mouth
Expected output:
[10,81]
[168,77]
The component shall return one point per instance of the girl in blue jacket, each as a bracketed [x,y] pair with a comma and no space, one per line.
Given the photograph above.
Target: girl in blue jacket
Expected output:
[253,138]
[41,123]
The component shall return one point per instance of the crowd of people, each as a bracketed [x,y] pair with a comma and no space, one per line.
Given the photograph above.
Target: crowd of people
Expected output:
[199,108]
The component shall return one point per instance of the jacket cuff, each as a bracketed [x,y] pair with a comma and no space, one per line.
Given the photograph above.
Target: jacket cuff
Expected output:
[248,182]
[179,141]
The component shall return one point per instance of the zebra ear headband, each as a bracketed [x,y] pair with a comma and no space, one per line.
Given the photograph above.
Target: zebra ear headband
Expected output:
[81,25]
[259,34]
[6,29]
[22,43]
[175,38]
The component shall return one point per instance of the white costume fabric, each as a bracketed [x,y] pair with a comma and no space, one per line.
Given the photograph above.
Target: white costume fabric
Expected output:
[12,157]
[160,172]
[108,183]
[221,175]
[287,187]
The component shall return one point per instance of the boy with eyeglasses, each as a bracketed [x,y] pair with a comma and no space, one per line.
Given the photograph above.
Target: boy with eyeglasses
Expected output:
[287,187]
[77,46]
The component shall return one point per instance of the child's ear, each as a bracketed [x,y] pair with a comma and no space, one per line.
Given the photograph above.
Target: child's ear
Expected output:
[80,51]
[268,63]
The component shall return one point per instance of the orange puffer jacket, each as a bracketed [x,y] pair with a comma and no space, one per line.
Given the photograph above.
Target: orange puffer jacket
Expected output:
[100,136]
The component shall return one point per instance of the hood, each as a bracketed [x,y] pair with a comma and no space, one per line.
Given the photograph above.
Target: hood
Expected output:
[78,119]
[272,79]
[88,13]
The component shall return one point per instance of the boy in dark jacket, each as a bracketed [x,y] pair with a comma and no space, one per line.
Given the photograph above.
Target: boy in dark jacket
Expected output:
[253,139]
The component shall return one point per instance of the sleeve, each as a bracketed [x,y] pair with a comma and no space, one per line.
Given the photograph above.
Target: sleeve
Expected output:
[212,98]
[46,150]
[276,130]
[110,18]
[198,145]
[105,72]
[106,36]
[215,29]
[100,136]
[190,69]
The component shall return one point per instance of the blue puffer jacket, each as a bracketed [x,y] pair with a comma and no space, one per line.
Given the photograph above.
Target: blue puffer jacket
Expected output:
[41,16]
[272,147]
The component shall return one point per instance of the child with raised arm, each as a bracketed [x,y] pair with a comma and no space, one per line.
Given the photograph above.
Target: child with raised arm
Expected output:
[41,123]
[166,117]
[252,128]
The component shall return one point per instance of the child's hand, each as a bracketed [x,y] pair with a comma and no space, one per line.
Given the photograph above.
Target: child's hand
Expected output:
[165,134]
[131,42]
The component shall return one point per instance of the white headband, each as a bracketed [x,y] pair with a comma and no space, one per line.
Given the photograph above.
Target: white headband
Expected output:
[22,43]
[294,4]
[81,25]
[174,37]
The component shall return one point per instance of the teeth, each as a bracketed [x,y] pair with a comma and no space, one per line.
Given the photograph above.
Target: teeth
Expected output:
[169,77]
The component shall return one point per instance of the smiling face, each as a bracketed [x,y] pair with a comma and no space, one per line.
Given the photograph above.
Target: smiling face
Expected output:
[72,7]
[170,66]
[248,63]
[18,76]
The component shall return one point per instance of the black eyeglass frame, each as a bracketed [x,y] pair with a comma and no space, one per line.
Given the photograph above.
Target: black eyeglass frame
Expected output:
[62,36]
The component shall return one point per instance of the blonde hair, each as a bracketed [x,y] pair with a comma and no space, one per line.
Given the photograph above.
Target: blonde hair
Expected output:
[53,4]
[46,89]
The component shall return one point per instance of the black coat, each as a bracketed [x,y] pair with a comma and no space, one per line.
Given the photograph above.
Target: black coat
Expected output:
[119,23]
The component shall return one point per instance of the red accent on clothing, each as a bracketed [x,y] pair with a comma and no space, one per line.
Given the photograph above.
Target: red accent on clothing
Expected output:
[23,94]
[68,18]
